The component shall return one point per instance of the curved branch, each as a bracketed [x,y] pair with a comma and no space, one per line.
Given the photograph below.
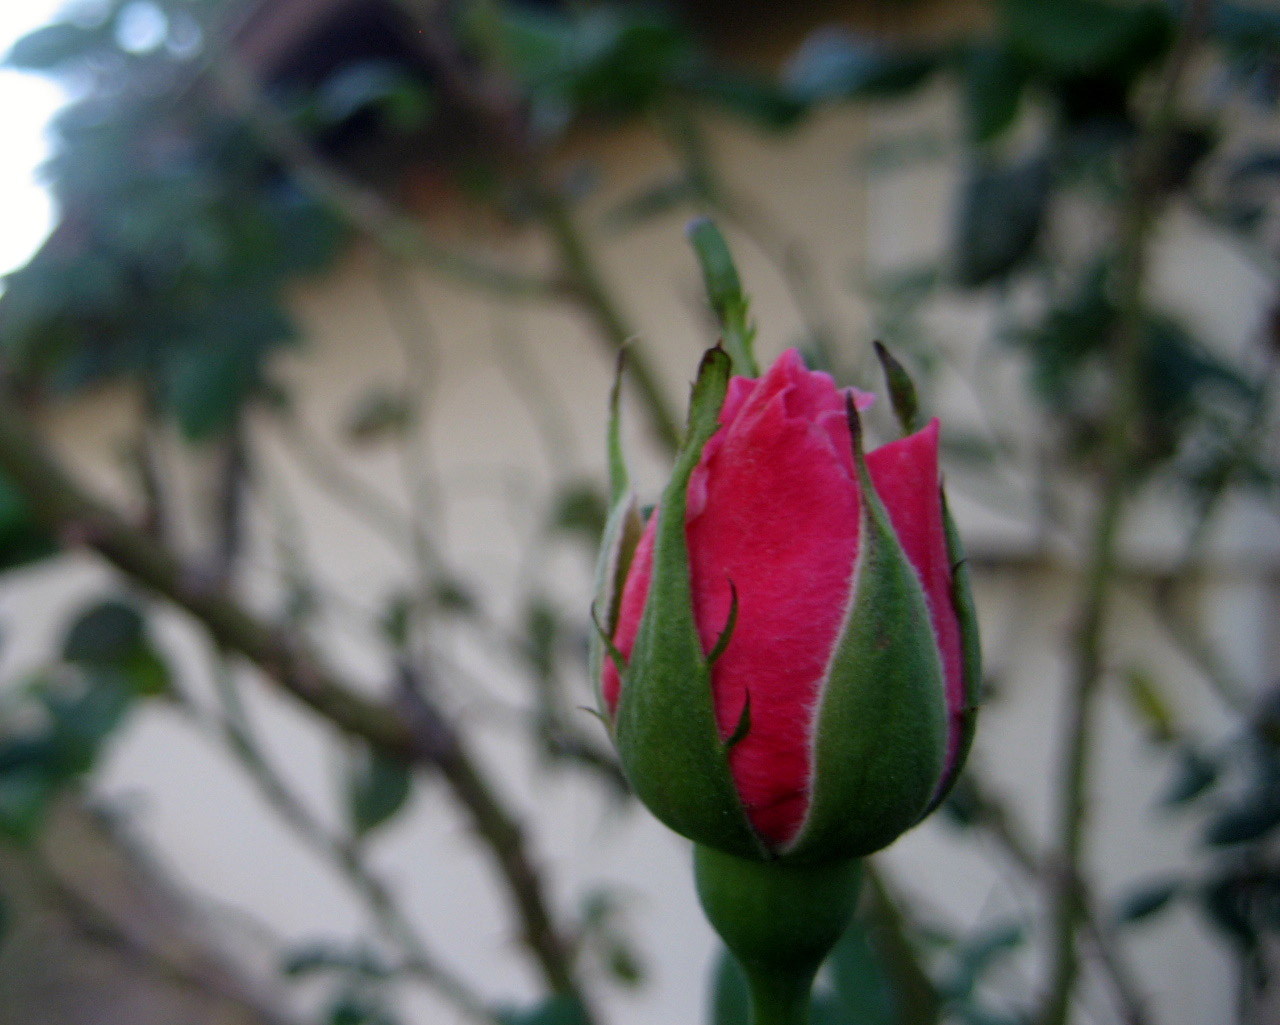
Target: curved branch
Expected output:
[411,731]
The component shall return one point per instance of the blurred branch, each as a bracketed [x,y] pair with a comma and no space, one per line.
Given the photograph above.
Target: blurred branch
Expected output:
[167,962]
[361,207]
[411,731]
[993,816]
[489,99]
[1119,468]
[344,853]
[916,999]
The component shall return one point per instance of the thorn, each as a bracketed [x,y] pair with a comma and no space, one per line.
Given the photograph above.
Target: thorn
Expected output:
[722,642]
[619,660]
[744,725]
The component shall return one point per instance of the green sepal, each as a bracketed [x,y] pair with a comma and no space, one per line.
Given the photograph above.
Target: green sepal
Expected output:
[667,736]
[881,724]
[970,655]
[902,394]
[902,391]
[619,478]
[724,292]
[622,530]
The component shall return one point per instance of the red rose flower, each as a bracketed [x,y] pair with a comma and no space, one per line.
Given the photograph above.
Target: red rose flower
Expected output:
[828,619]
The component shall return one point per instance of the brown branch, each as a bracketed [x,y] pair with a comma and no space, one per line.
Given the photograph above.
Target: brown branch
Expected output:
[1146,191]
[991,815]
[61,505]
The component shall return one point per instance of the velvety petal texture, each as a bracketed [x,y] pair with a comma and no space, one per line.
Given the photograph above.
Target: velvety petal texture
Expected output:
[773,517]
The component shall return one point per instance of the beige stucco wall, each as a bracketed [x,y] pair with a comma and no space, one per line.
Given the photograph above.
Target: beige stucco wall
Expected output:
[493,462]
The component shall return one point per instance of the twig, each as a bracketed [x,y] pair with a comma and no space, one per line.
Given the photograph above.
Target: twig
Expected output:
[999,823]
[917,999]
[341,852]
[57,501]
[162,961]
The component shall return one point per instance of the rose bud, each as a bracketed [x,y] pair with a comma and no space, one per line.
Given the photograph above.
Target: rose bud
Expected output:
[786,650]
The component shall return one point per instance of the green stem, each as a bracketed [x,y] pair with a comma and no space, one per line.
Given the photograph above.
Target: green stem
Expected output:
[779,921]
[778,998]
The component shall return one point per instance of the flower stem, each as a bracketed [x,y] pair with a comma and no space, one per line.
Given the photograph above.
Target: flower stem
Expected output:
[779,921]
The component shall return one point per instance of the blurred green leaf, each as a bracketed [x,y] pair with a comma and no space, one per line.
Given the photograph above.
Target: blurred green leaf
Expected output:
[1001,210]
[358,1007]
[1255,816]
[761,101]
[994,79]
[106,633]
[315,958]
[379,414]
[1070,37]
[25,793]
[542,633]
[22,539]
[653,201]
[1150,706]
[1194,773]
[832,64]
[1147,900]
[380,86]
[556,1010]
[861,983]
[730,998]
[82,717]
[377,788]
[977,955]
[580,509]
[610,60]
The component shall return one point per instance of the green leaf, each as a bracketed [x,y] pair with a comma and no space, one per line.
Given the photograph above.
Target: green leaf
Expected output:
[1194,773]
[860,980]
[358,1007]
[146,672]
[1147,900]
[25,793]
[832,64]
[106,633]
[581,510]
[978,955]
[759,100]
[377,788]
[1000,213]
[315,958]
[730,998]
[653,201]
[22,538]
[994,79]
[1253,818]
[379,414]
[1071,37]
[556,1010]
[381,86]
[1150,706]
[83,717]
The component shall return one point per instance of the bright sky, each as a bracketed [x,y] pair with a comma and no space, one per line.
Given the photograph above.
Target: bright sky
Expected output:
[26,104]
